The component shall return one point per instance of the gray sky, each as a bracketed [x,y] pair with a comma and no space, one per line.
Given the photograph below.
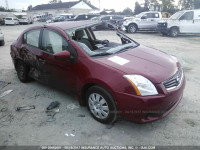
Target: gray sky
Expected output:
[118,5]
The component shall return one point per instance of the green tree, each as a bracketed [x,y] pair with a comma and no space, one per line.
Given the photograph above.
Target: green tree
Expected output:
[52,1]
[127,11]
[138,8]
[168,6]
[29,7]
[189,4]
[196,4]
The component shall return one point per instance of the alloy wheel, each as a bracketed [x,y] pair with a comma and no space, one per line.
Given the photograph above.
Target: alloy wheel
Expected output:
[98,106]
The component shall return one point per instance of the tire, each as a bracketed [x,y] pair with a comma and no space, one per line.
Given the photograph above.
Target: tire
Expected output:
[132,28]
[22,71]
[2,43]
[174,32]
[101,105]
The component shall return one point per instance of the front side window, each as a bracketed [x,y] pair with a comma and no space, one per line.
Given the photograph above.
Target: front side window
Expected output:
[188,16]
[52,42]
[32,37]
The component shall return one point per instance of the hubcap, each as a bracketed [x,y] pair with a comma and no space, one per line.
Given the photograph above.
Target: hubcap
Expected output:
[174,32]
[132,29]
[98,106]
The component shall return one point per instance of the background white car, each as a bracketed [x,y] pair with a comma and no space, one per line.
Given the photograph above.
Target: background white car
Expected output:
[1,38]
[143,21]
[11,21]
[182,22]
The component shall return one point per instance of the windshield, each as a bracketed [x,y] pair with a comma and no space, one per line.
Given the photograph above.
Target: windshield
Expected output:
[176,15]
[96,42]
[140,15]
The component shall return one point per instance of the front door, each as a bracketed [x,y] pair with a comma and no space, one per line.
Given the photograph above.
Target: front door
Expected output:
[187,24]
[60,73]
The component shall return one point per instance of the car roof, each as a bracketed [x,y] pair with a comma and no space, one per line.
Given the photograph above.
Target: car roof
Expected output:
[72,24]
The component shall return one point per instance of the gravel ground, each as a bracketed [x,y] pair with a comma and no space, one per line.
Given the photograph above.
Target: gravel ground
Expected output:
[181,127]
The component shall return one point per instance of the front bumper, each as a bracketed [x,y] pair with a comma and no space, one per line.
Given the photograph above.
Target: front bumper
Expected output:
[142,109]
[162,28]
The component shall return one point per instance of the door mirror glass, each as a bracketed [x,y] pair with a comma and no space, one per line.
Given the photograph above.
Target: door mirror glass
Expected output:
[64,55]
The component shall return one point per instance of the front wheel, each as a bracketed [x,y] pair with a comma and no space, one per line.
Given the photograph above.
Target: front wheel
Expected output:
[101,105]
[132,28]
[174,32]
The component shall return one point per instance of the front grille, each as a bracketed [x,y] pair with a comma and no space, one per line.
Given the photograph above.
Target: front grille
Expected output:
[174,81]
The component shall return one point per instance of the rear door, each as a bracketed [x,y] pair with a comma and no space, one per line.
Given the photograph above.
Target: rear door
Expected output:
[30,53]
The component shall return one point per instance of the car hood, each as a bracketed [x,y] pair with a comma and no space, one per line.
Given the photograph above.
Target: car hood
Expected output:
[155,65]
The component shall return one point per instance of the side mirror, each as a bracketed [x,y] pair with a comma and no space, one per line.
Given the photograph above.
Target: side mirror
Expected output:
[64,55]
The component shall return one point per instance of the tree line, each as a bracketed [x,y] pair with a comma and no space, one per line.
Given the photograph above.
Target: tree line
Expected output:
[166,5]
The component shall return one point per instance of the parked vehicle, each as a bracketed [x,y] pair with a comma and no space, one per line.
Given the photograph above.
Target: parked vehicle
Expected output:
[2,21]
[11,21]
[2,42]
[143,21]
[67,16]
[45,18]
[109,20]
[111,77]
[83,17]
[182,22]
[24,20]
[37,17]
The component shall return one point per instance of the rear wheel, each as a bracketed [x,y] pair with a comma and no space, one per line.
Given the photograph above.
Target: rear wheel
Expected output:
[101,105]
[174,32]
[132,28]
[22,71]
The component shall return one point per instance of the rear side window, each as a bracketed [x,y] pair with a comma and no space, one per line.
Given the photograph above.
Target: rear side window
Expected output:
[188,16]
[32,38]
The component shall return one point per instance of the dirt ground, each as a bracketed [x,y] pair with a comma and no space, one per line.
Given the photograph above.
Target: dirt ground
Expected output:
[180,127]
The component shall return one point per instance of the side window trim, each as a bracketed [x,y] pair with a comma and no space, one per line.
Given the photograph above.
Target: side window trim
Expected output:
[25,43]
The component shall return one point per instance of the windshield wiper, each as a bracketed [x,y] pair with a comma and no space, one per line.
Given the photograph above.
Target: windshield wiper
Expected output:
[101,54]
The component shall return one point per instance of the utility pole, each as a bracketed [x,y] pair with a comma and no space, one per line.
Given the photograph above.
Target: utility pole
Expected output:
[7,4]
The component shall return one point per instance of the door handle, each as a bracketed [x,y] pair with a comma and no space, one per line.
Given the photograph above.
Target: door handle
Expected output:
[42,60]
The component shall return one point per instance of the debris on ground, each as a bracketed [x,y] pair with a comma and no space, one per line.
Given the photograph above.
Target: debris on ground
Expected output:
[25,108]
[53,105]
[71,134]
[81,115]
[5,93]
[73,106]
[52,115]
[3,84]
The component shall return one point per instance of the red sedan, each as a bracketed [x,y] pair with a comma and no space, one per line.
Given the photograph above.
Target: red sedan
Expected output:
[113,76]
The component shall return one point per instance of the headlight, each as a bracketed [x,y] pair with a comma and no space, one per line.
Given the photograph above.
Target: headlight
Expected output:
[142,85]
